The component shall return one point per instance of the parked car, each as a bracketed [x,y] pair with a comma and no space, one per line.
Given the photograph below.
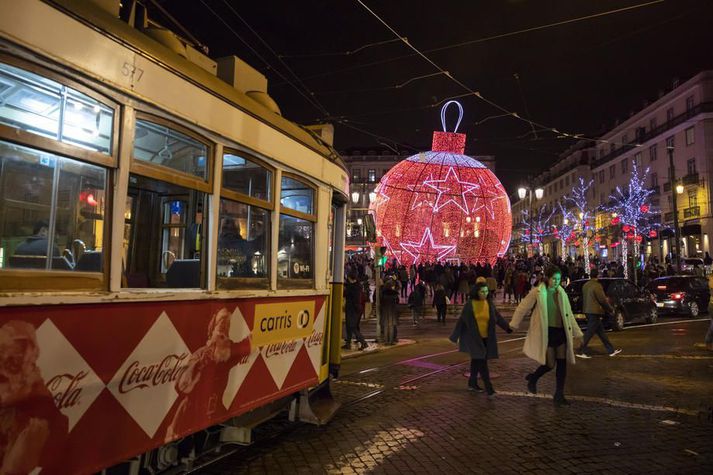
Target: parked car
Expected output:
[630,302]
[688,264]
[681,294]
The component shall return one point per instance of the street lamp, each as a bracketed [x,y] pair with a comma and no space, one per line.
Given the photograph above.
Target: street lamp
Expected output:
[674,204]
[355,197]
[539,193]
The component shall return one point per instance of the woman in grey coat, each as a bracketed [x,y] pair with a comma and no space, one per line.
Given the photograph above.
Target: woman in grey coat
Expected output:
[475,334]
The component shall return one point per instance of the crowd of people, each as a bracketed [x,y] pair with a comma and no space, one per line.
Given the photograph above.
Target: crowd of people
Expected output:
[440,284]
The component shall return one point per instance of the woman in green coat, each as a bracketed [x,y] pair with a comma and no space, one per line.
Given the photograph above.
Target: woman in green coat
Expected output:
[475,334]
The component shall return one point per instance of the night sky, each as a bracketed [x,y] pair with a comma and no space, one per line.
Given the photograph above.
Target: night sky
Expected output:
[577,77]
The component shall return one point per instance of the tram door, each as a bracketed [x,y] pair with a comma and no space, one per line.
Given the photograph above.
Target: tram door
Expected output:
[332,339]
[163,235]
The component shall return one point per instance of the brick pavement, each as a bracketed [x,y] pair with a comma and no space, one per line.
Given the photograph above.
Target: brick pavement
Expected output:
[436,426]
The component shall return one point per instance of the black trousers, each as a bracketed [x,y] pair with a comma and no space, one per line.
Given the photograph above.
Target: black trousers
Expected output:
[480,366]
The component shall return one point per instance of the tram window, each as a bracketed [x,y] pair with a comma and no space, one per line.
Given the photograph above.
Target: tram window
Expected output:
[49,202]
[296,195]
[44,107]
[247,177]
[243,246]
[164,235]
[295,259]
[161,145]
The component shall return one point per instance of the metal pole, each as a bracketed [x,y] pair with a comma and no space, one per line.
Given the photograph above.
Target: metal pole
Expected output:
[674,204]
[377,297]
[532,236]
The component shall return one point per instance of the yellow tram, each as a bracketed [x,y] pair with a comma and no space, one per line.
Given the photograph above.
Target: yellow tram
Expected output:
[171,247]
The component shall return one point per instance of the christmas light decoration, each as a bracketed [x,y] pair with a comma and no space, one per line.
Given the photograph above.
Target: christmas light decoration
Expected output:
[581,217]
[442,205]
[540,224]
[637,217]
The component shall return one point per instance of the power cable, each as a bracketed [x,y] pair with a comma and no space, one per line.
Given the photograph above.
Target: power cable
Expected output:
[296,78]
[309,99]
[481,40]
[341,53]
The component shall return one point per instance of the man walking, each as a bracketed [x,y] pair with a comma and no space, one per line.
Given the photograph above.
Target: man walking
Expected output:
[594,305]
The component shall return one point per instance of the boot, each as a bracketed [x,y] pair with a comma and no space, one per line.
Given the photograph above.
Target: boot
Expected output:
[347,346]
[533,377]
[560,376]
[363,346]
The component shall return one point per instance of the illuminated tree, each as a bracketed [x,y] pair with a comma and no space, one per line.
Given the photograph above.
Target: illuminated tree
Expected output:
[583,216]
[565,230]
[539,224]
[633,206]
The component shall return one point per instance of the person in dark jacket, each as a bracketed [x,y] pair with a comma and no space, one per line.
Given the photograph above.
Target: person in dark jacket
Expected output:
[440,303]
[389,311]
[416,300]
[38,243]
[353,311]
[475,334]
[594,306]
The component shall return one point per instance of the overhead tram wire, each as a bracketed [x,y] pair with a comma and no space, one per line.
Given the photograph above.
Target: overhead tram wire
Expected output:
[477,94]
[311,100]
[385,88]
[284,64]
[483,40]
[341,53]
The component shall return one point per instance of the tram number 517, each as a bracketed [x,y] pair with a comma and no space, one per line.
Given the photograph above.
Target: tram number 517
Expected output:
[128,69]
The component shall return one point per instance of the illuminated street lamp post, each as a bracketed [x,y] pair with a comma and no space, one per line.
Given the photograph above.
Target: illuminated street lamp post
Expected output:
[539,193]
[674,204]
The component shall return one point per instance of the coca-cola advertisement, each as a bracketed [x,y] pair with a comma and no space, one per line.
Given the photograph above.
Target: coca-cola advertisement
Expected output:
[83,387]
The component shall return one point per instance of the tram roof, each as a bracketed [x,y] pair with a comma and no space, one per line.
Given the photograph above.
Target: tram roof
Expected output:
[129,36]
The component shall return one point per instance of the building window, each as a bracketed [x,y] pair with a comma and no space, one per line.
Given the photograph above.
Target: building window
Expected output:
[371,175]
[670,142]
[654,180]
[691,166]
[652,124]
[690,136]
[295,256]
[624,139]
[356,174]
[601,176]
[566,180]
[637,159]
[625,165]
[652,153]
[601,198]
[612,148]
[669,114]
[689,103]
[612,171]
[692,198]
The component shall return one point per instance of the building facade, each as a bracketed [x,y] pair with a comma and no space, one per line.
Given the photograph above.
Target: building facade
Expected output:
[679,123]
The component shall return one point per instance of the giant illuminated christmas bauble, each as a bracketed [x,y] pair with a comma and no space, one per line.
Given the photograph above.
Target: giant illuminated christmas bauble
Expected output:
[442,206]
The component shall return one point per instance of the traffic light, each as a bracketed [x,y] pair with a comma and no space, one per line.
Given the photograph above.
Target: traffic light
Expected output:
[381,256]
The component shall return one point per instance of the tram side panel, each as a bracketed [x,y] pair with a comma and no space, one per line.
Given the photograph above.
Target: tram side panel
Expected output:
[87,386]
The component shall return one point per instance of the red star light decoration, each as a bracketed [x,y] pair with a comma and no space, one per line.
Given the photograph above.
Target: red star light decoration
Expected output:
[442,205]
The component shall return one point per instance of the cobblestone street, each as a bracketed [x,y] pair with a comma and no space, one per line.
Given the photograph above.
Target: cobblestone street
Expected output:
[407,410]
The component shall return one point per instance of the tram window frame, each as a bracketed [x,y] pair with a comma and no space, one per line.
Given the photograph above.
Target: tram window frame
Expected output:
[242,282]
[159,173]
[291,282]
[21,280]
[172,175]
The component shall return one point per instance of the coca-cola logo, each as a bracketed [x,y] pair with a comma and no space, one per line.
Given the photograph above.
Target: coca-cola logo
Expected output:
[315,339]
[167,371]
[66,389]
[276,349]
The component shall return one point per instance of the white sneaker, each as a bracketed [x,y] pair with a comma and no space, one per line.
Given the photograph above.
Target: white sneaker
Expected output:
[615,352]
[584,356]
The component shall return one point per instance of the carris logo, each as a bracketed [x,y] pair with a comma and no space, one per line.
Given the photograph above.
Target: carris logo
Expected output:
[164,372]
[66,390]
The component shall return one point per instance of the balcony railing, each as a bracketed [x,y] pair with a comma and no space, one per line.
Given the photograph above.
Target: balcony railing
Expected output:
[669,124]
[691,212]
[691,179]
[668,217]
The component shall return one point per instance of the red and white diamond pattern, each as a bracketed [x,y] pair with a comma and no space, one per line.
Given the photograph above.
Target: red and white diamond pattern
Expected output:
[149,373]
